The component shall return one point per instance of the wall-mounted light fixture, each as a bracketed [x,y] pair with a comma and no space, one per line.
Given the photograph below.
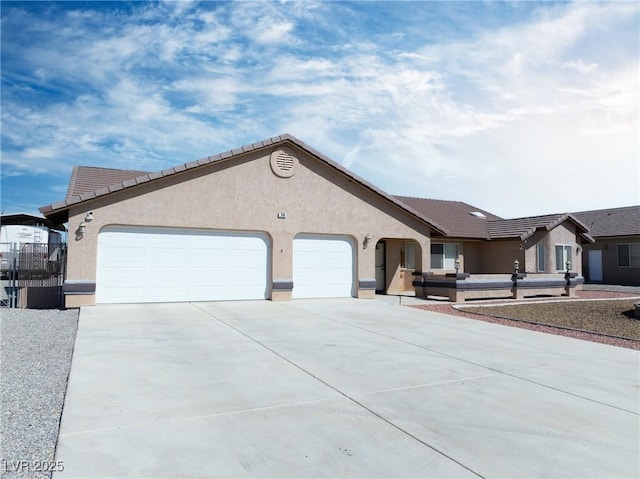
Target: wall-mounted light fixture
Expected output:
[365,241]
[516,266]
[457,263]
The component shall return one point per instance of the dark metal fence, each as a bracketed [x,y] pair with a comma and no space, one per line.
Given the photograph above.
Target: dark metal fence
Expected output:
[32,275]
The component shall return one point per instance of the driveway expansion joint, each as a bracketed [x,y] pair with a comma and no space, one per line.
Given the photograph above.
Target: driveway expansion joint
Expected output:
[342,393]
[494,370]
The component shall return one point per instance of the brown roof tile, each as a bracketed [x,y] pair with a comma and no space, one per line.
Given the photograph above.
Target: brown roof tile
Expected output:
[86,179]
[623,221]
[525,227]
[455,216]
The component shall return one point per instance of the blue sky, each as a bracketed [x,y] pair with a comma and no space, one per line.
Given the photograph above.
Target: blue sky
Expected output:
[519,108]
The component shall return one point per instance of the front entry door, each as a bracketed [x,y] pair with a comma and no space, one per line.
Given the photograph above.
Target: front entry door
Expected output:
[380,267]
[595,265]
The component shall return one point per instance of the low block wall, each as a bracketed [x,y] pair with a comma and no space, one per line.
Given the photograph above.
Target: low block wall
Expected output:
[459,287]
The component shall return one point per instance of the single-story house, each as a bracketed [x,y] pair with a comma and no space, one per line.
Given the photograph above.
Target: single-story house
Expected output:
[614,257]
[279,220]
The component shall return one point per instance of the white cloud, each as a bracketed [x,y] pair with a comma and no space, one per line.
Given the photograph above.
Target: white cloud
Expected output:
[492,118]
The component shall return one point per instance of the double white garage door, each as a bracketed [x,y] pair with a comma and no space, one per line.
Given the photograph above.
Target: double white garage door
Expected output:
[137,264]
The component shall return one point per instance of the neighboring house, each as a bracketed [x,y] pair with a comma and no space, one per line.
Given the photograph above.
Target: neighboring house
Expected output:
[19,229]
[614,258]
[279,220]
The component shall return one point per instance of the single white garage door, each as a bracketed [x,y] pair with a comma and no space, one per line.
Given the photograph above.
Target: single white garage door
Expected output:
[140,264]
[322,267]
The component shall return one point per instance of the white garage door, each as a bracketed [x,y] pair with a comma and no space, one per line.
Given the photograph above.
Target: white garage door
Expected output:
[322,267]
[139,264]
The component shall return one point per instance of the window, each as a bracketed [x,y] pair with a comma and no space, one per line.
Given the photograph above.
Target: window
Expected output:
[629,255]
[563,254]
[443,255]
[541,259]
[409,255]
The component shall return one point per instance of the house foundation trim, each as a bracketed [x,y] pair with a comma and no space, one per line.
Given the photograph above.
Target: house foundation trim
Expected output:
[80,286]
[282,285]
[367,284]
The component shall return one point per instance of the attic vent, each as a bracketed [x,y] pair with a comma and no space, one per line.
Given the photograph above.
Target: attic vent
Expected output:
[283,163]
[477,214]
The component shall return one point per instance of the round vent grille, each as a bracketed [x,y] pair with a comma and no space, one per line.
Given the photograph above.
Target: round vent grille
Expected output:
[283,163]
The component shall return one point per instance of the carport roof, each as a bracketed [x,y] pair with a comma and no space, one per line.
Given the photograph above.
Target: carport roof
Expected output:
[88,183]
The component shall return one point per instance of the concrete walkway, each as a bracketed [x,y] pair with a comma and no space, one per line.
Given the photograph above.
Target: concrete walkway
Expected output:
[340,388]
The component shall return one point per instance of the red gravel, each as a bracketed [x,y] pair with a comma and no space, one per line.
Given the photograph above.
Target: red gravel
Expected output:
[447,308]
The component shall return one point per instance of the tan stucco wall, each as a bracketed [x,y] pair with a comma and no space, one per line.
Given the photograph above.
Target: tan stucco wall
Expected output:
[245,195]
[563,234]
[611,272]
[471,257]
[497,256]
[397,278]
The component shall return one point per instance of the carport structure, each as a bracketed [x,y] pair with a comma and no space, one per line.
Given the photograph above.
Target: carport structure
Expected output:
[340,388]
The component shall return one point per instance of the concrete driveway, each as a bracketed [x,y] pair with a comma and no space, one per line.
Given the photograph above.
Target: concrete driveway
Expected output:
[340,388]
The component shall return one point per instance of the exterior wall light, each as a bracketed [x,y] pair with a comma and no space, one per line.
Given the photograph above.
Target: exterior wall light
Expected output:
[365,241]
[516,266]
[82,228]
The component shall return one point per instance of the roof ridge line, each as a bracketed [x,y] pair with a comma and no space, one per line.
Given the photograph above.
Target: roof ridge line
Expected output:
[151,176]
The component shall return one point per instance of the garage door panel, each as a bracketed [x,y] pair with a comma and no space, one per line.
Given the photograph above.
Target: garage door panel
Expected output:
[126,257]
[168,255]
[137,264]
[129,294]
[168,277]
[323,267]
[165,293]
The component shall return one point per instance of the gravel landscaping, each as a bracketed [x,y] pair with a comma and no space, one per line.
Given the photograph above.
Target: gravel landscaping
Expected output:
[610,317]
[35,359]
[602,317]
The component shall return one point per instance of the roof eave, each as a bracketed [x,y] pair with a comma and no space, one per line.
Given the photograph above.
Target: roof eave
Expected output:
[61,209]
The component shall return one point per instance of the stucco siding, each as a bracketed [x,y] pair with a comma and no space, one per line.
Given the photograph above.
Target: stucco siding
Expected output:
[244,194]
[612,273]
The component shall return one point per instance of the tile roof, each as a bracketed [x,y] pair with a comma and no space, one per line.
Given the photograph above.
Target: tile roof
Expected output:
[623,221]
[457,217]
[85,179]
[449,218]
[523,228]
[454,215]
[79,191]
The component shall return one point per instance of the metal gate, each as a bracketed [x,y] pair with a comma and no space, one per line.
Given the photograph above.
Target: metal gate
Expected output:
[32,275]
